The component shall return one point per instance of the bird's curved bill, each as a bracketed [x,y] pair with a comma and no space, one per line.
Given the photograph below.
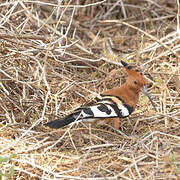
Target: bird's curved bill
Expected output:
[144,90]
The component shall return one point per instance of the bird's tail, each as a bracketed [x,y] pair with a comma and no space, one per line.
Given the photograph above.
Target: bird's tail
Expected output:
[58,123]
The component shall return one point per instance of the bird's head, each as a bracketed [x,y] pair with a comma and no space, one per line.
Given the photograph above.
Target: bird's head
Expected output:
[136,81]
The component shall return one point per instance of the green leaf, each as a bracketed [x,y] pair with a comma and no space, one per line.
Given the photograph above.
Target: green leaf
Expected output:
[12,156]
[11,172]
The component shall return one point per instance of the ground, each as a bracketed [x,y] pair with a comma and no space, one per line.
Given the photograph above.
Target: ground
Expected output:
[55,57]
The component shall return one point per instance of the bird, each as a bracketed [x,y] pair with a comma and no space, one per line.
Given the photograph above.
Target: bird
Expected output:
[116,103]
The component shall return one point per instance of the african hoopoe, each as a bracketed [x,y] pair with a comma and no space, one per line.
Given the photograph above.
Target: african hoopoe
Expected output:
[118,102]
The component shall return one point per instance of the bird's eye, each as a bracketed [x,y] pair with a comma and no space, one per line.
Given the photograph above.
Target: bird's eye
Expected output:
[135,82]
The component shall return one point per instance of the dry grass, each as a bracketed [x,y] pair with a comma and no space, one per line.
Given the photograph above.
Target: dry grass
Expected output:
[53,56]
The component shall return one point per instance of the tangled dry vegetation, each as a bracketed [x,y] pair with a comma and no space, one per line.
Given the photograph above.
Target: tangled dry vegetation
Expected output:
[54,54]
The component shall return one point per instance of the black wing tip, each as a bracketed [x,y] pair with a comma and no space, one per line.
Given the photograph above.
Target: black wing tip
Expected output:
[59,123]
[54,124]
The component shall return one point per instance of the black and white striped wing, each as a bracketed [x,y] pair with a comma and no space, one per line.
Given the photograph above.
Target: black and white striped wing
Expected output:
[106,106]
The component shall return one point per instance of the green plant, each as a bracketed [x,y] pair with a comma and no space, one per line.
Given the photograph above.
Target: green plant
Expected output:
[3,160]
[174,160]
